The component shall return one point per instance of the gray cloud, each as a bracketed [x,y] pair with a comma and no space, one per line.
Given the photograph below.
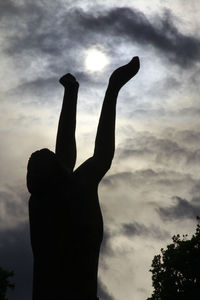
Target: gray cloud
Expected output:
[182,209]
[106,249]
[106,253]
[113,180]
[188,137]
[154,179]
[137,229]
[14,206]
[166,151]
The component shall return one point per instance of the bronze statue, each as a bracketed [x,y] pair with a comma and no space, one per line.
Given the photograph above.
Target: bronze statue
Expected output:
[66,223]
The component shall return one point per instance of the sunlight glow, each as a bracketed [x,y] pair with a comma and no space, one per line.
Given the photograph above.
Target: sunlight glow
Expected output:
[95,60]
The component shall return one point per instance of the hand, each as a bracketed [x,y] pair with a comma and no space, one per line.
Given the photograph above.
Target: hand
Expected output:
[123,74]
[68,80]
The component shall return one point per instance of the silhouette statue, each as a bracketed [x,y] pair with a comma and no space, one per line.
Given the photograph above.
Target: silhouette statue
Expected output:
[66,225]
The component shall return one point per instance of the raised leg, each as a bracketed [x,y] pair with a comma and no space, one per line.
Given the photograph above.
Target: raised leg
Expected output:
[66,142]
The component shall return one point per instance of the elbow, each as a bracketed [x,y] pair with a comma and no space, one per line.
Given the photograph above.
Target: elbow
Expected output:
[108,165]
[104,161]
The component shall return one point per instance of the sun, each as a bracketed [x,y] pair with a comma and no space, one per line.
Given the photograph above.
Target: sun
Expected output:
[95,60]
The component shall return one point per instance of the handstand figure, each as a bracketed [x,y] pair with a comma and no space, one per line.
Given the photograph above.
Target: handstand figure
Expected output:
[66,223]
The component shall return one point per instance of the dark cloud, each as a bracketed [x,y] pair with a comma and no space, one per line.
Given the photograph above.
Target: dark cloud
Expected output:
[181,210]
[134,26]
[47,87]
[61,33]
[40,88]
[8,8]
[50,39]
[103,292]
[137,229]
[15,255]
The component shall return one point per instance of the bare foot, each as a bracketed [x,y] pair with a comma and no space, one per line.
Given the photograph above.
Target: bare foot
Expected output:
[123,74]
[68,80]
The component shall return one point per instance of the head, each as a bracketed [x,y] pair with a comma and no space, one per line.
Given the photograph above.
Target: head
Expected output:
[44,172]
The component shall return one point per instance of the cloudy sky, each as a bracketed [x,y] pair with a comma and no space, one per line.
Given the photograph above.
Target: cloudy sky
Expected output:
[153,188]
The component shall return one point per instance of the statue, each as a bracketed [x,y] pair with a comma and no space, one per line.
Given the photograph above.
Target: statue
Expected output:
[66,223]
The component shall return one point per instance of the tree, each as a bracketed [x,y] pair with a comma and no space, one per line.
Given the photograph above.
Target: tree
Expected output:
[176,271]
[5,282]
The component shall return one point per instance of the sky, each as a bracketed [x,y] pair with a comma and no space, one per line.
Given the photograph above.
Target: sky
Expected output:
[152,190]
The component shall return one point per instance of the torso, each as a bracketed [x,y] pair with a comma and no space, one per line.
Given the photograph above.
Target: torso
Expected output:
[68,223]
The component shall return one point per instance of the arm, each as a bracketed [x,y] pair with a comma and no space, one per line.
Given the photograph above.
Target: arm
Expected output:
[105,138]
[96,166]
[65,142]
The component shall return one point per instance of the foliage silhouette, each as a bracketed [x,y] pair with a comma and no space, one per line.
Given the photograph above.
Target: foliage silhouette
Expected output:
[66,223]
[5,282]
[175,272]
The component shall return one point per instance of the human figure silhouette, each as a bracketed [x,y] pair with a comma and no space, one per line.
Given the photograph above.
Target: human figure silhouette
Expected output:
[66,223]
